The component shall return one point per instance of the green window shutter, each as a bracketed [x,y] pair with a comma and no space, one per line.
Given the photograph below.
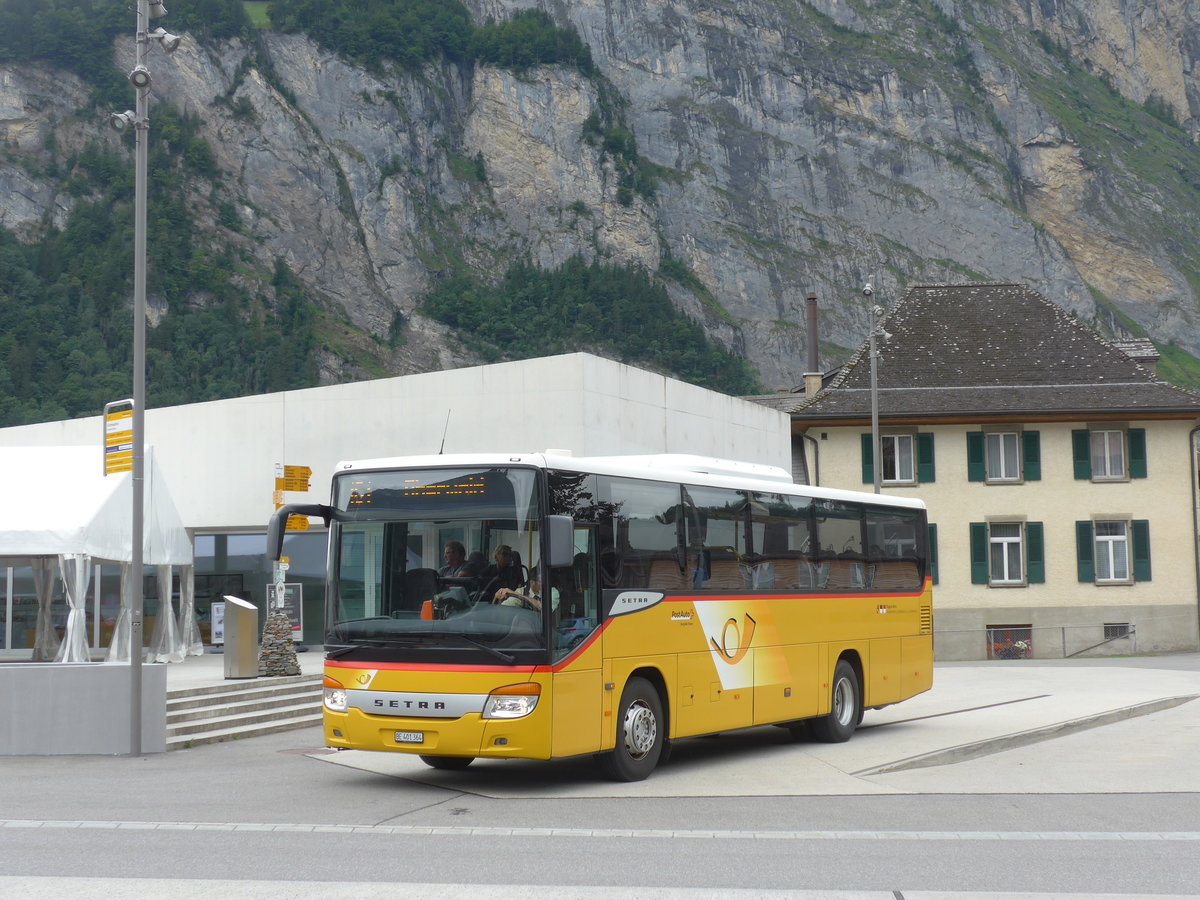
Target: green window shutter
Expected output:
[1035,553]
[979,553]
[1141,550]
[1031,455]
[1081,452]
[1085,551]
[925,470]
[933,559]
[868,456]
[1137,452]
[976,465]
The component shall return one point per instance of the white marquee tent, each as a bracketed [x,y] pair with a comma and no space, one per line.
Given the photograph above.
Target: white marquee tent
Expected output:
[60,509]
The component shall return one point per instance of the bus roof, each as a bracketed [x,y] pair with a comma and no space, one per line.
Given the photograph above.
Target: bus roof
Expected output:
[676,467]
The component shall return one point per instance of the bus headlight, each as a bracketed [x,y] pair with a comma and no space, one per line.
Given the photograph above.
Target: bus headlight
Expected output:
[335,695]
[512,701]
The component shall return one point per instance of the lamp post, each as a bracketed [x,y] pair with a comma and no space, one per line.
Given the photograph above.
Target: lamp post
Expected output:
[139,118]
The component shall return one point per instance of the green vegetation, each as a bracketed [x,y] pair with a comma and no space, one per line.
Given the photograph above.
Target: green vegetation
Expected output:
[1178,366]
[256,13]
[619,311]
[412,32]
[65,319]
[406,32]
[77,35]
[530,38]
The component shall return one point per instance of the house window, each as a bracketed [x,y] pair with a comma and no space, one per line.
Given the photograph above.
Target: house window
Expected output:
[1004,554]
[907,458]
[1114,631]
[1007,554]
[1010,641]
[1112,551]
[1003,458]
[897,453]
[1109,453]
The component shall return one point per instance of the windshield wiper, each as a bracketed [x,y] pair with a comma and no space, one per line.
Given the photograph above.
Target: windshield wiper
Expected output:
[499,654]
[438,638]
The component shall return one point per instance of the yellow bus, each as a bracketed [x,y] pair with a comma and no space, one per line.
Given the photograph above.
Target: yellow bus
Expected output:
[544,606]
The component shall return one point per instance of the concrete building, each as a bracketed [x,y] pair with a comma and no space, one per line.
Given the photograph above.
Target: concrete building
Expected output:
[221,458]
[1060,473]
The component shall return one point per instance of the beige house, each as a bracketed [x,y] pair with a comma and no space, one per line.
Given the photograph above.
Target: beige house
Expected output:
[1060,473]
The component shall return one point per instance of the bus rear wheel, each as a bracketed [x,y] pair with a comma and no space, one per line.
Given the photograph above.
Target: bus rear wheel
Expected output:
[453,763]
[641,732]
[845,708]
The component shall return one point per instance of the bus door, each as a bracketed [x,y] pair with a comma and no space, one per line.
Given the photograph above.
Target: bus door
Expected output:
[578,685]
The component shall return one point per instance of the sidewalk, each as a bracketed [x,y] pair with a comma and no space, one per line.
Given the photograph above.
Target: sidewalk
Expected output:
[209,670]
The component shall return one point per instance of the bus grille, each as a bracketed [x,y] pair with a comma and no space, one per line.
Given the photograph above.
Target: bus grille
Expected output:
[926,620]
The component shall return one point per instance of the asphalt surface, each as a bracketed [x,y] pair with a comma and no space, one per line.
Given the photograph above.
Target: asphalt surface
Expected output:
[1046,747]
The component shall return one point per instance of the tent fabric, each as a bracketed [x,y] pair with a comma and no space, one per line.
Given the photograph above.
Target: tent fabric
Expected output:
[57,500]
[45,643]
[189,628]
[165,645]
[76,571]
[61,507]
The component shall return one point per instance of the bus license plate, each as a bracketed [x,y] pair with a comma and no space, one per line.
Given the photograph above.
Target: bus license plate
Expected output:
[410,737]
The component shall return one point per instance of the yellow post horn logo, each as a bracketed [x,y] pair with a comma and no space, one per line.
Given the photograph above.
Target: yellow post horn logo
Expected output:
[732,651]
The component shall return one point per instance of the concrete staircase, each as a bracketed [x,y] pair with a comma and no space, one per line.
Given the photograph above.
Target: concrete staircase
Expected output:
[224,712]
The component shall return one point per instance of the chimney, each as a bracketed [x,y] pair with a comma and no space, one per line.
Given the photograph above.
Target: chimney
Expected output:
[812,377]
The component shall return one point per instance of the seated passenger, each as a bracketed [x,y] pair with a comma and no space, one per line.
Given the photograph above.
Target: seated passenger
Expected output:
[529,597]
[455,556]
[505,571]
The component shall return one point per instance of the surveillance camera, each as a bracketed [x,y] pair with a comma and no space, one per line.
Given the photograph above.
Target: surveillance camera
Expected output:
[122,120]
[140,77]
[868,290]
[170,42]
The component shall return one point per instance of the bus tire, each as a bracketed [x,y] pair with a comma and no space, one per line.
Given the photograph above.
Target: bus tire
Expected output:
[641,732]
[450,763]
[845,708]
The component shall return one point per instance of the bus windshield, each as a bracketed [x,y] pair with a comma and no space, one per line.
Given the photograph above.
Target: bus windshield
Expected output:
[437,564]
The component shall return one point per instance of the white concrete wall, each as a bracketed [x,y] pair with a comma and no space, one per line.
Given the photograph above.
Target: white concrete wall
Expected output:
[219,457]
[60,709]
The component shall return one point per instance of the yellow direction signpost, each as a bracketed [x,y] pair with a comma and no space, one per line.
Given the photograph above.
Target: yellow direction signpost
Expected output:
[291,478]
[118,436]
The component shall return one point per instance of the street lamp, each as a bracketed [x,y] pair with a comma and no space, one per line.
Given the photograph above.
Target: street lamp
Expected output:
[139,119]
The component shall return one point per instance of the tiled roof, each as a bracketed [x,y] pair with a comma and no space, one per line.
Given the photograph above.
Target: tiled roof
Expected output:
[966,349]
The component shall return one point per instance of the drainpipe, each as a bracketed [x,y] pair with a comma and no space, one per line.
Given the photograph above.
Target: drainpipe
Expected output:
[816,458]
[1194,452]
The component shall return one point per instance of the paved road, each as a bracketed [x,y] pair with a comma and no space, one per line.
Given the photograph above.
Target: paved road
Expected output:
[1009,778]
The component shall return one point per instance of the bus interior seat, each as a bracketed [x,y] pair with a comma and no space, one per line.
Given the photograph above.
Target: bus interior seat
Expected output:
[419,585]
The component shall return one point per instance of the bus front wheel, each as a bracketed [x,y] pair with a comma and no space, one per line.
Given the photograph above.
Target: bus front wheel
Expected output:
[641,732]
[447,762]
[845,709]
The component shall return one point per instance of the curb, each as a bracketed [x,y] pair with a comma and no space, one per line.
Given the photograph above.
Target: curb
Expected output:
[976,749]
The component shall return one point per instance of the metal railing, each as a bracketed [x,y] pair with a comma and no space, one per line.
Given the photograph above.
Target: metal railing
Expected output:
[1033,642]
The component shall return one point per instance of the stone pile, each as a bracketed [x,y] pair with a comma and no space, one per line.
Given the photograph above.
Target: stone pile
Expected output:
[278,653]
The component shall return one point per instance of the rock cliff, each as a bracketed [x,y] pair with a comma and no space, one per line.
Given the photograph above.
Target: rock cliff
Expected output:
[798,147]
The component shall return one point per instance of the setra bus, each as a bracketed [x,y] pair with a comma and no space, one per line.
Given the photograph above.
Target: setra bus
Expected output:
[642,599]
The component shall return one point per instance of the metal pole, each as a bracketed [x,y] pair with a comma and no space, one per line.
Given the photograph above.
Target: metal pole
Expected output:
[876,454]
[141,137]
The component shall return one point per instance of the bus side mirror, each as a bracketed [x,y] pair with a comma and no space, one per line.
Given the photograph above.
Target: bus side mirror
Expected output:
[278,524]
[560,534]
